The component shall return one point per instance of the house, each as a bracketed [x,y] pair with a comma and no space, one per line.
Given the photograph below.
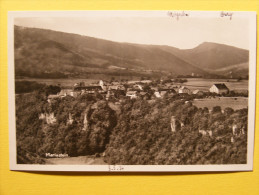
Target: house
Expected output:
[80,84]
[146,81]
[115,83]
[116,87]
[171,91]
[75,93]
[132,94]
[157,94]
[103,85]
[198,92]
[138,87]
[65,92]
[115,94]
[145,95]
[89,89]
[219,88]
[184,90]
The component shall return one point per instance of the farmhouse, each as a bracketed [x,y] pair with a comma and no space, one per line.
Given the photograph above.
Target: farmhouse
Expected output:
[144,95]
[65,92]
[116,87]
[198,92]
[183,90]
[219,88]
[171,91]
[138,87]
[157,94]
[89,89]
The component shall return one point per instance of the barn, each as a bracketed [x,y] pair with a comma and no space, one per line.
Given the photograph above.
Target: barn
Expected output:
[219,88]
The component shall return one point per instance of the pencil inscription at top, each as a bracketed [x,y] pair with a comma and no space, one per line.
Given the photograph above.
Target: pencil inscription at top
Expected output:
[226,14]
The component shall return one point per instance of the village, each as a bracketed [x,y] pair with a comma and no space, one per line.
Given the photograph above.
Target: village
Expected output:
[144,89]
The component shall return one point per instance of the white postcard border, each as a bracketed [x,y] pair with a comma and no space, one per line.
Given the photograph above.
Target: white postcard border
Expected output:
[130,168]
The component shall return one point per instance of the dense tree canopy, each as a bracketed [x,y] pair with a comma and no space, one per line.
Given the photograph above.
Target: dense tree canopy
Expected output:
[140,133]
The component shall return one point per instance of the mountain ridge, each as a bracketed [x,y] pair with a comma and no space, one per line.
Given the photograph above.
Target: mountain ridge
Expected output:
[64,53]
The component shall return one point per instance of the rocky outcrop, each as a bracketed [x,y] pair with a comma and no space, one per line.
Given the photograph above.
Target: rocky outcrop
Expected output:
[48,117]
[175,125]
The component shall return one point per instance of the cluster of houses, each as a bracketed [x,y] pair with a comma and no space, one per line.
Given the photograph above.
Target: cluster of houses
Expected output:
[134,89]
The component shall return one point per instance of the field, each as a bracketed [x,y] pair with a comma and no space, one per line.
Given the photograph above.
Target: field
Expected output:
[80,160]
[224,102]
[205,84]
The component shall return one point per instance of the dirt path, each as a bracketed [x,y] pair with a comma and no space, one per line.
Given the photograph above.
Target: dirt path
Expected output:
[80,160]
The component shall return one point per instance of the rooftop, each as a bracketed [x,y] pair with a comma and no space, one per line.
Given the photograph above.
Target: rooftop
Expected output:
[221,86]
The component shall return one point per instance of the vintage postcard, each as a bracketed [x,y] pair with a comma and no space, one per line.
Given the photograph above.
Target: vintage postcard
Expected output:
[158,91]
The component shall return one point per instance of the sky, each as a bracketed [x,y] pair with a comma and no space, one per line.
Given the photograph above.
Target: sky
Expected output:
[184,33]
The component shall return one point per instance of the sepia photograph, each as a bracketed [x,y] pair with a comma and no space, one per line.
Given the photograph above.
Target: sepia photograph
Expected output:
[147,91]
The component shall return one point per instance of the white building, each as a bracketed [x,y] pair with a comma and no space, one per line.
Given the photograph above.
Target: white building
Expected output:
[131,94]
[219,88]
[183,90]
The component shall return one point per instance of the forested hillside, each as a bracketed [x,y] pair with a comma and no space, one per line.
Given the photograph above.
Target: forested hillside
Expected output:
[43,53]
[143,135]
[36,136]
[51,54]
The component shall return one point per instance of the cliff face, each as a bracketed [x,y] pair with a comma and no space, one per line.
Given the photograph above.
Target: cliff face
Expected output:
[48,117]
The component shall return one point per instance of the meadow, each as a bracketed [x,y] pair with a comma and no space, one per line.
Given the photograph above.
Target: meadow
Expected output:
[235,103]
[192,83]
[205,84]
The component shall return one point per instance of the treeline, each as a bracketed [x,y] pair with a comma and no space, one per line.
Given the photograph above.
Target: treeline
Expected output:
[27,86]
[30,86]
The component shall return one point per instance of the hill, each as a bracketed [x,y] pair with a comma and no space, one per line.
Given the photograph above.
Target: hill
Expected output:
[51,54]
[236,70]
[214,57]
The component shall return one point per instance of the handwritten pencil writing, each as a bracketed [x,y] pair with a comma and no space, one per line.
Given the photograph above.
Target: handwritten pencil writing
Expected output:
[177,14]
[115,168]
[226,14]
